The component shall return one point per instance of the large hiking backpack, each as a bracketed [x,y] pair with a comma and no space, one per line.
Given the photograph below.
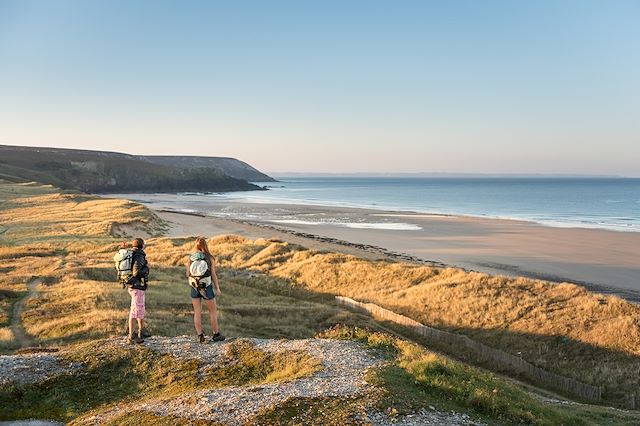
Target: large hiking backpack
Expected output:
[199,272]
[124,264]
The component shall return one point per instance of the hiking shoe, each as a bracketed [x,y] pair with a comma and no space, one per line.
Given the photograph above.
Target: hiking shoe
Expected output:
[145,333]
[217,337]
[132,339]
[201,337]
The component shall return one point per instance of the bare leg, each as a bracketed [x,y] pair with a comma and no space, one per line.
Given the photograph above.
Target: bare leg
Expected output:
[197,315]
[130,326]
[213,315]
[139,327]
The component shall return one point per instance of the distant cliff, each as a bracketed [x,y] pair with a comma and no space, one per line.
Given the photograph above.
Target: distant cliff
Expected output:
[102,172]
[232,167]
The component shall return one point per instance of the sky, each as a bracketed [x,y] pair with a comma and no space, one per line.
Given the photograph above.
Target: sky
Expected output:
[331,86]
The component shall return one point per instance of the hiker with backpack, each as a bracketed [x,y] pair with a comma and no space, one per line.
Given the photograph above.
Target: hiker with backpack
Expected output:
[133,272]
[202,277]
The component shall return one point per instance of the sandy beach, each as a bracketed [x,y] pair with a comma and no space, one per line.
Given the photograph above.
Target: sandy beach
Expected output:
[605,261]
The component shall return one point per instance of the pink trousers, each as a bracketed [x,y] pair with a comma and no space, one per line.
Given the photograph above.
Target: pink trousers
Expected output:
[137,303]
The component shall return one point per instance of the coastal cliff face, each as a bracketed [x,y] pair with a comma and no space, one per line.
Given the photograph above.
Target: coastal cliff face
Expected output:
[232,167]
[103,172]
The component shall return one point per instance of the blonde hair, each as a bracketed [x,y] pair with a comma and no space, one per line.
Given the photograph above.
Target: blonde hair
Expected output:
[201,245]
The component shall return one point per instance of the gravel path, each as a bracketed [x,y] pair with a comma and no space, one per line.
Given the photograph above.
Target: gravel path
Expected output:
[344,366]
[423,417]
[32,368]
[344,363]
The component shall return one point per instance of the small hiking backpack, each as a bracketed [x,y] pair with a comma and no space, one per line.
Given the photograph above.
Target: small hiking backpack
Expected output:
[199,273]
[124,264]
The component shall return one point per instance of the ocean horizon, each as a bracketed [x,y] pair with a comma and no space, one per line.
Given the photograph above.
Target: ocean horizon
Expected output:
[595,202]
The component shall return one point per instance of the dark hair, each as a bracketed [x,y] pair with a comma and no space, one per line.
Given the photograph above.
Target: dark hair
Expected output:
[137,243]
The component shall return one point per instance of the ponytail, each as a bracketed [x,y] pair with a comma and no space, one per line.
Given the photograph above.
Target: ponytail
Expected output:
[201,245]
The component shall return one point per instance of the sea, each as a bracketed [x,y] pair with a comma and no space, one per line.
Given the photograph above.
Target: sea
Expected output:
[606,203]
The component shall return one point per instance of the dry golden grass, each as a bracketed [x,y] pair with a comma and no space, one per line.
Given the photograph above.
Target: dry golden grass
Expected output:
[560,327]
[80,298]
[7,339]
[87,303]
[66,238]
[32,213]
[45,233]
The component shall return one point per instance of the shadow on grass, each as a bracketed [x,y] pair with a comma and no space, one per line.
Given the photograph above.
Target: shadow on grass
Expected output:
[616,371]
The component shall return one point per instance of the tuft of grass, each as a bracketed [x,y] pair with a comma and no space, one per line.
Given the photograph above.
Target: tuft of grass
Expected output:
[246,364]
[307,411]
[291,365]
[7,340]
[138,417]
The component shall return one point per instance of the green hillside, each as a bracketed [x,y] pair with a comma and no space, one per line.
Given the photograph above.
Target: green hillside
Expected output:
[104,172]
[232,167]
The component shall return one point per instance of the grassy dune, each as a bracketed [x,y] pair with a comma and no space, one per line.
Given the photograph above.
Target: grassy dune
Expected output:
[67,239]
[45,232]
[274,289]
[562,328]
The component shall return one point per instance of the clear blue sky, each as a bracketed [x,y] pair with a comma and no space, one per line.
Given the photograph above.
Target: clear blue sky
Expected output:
[331,86]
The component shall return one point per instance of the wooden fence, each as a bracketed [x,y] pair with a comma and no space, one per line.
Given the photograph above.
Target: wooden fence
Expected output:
[633,401]
[484,352]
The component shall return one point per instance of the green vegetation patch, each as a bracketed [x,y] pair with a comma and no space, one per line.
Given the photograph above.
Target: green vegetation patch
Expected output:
[109,375]
[246,364]
[308,411]
[418,378]
[137,418]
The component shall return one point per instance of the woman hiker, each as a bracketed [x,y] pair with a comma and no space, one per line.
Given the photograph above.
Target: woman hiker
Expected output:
[201,273]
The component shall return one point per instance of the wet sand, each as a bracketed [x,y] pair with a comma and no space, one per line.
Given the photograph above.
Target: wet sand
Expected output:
[604,261]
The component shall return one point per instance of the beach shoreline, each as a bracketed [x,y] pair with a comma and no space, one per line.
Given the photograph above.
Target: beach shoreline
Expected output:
[600,260]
